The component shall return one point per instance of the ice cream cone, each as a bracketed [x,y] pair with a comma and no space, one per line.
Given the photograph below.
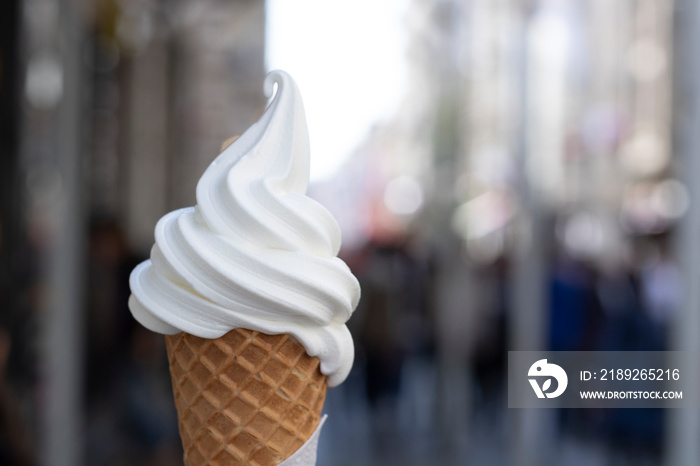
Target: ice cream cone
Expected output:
[245,398]
[254,253]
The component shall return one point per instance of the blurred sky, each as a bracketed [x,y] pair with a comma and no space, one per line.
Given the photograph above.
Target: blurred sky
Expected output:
[349,78]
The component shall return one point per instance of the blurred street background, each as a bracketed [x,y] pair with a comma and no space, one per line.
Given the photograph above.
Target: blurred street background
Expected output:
[508,175]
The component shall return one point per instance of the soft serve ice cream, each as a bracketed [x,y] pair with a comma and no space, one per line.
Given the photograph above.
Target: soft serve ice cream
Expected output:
[255,252]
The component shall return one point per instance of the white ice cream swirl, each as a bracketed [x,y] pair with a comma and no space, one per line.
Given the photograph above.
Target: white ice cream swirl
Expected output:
[255,252]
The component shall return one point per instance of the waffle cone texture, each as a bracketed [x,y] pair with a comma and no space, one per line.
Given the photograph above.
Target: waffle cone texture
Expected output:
[245,398]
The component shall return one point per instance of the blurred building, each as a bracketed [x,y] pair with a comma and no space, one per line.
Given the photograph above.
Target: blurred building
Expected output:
[534,132]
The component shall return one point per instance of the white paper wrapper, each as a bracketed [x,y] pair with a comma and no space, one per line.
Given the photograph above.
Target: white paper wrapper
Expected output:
[306,454]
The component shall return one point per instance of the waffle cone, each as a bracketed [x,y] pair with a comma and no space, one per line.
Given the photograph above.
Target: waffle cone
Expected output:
[245,398]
